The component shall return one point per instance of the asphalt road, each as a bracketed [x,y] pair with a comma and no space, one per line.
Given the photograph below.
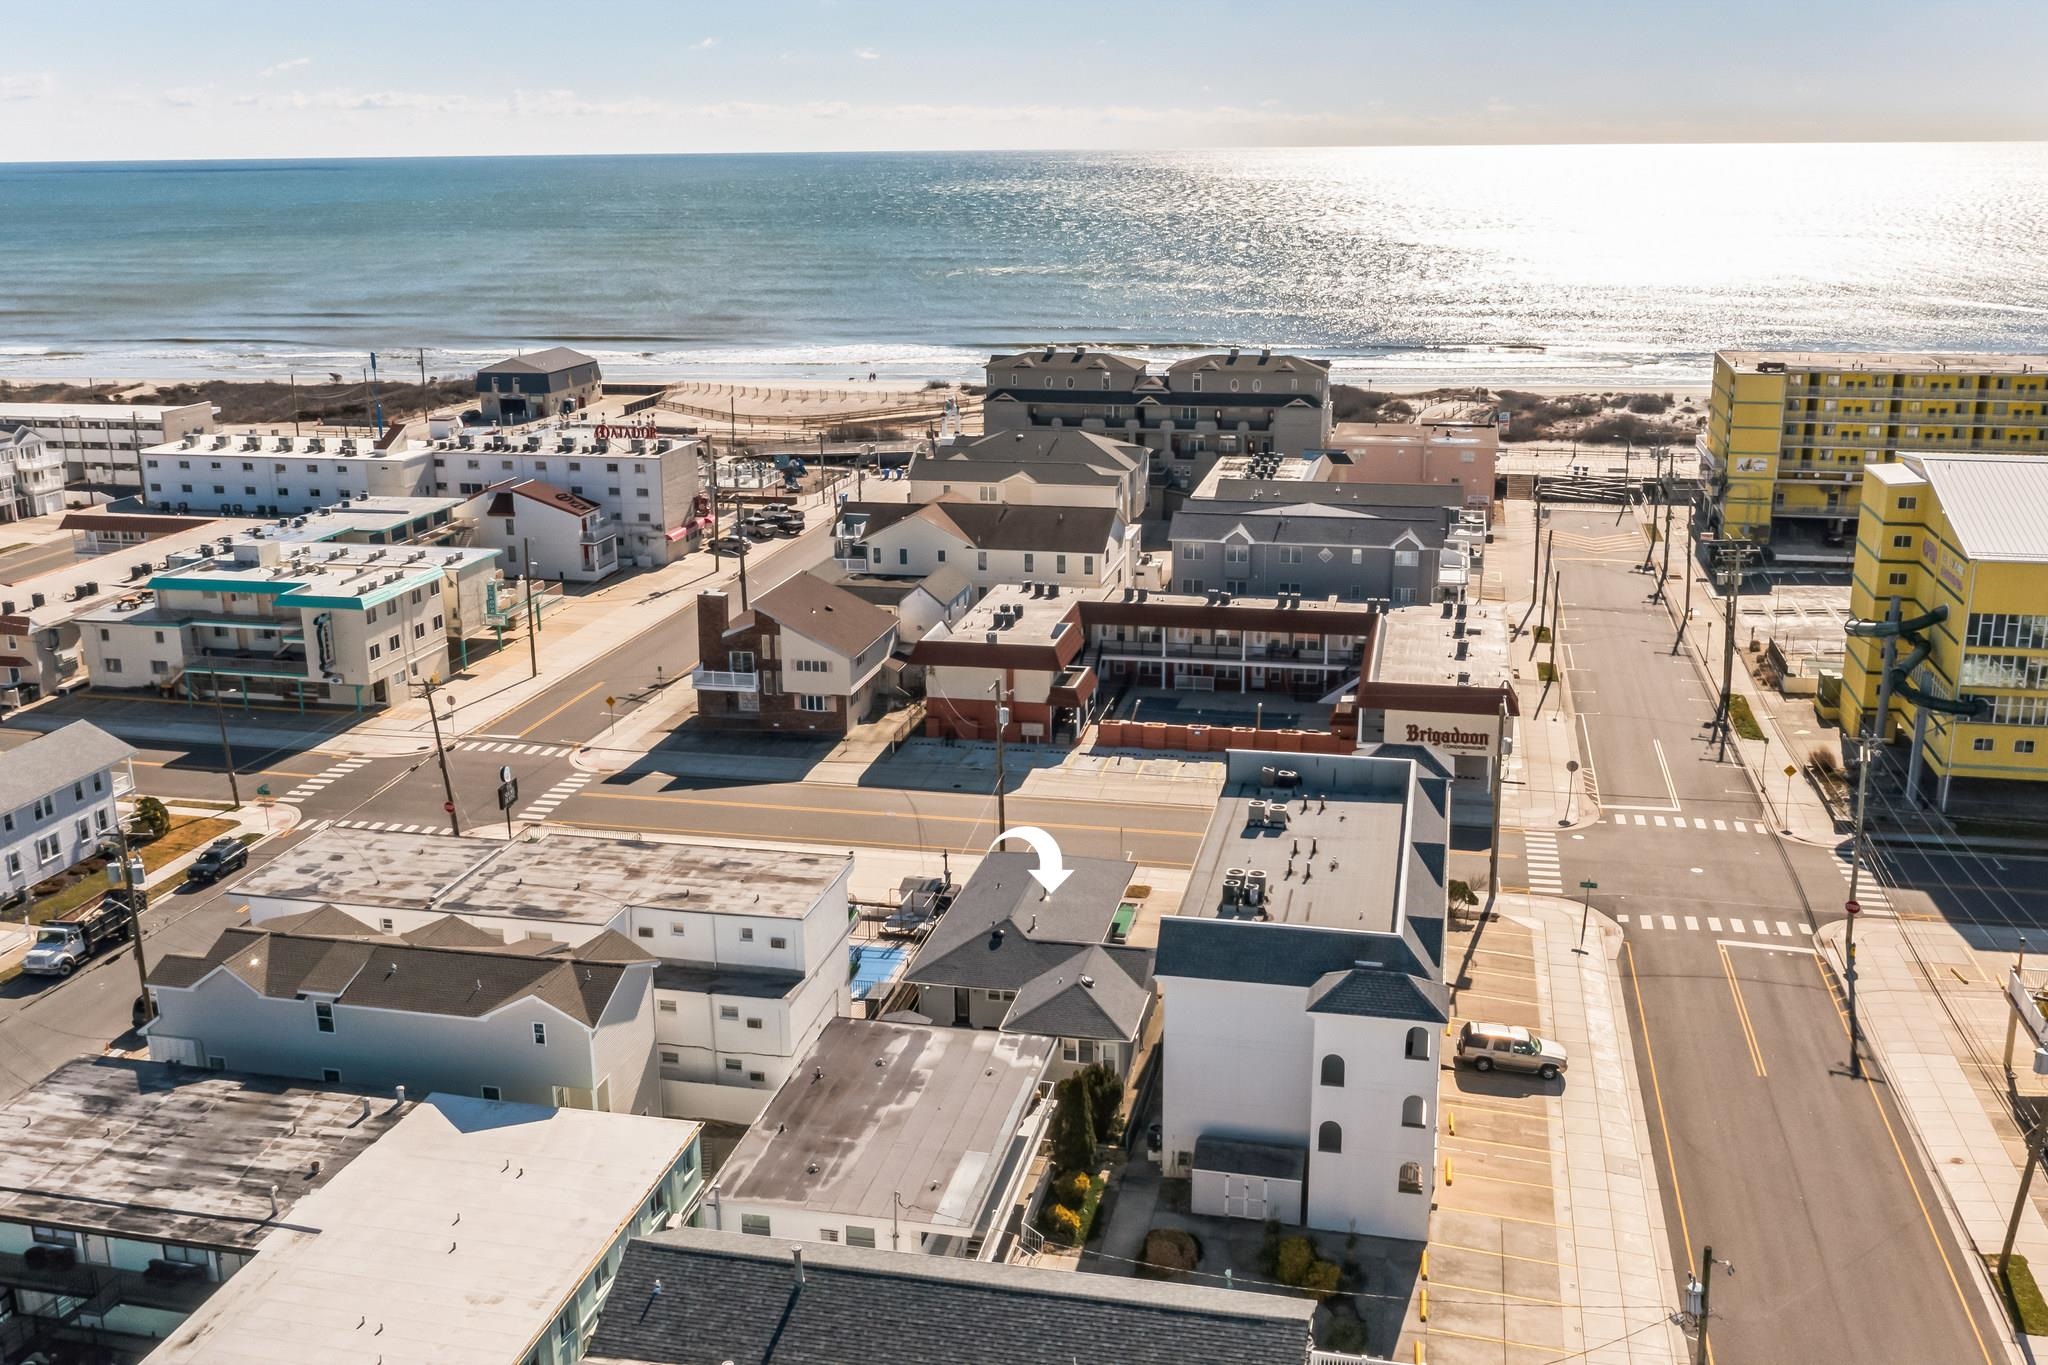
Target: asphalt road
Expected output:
[1801,1176]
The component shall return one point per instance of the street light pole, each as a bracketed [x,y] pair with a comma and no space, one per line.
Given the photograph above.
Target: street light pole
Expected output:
[441,753]
[1863,749]
[1500,774]
[138,901]
[227,753]
[1705,1289]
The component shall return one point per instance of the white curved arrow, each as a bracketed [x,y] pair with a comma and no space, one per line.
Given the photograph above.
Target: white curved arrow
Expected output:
[1051,871]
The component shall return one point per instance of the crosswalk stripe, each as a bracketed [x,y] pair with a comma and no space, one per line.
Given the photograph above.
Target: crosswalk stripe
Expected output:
[1699,823]
[1660,822]
[1806,929]
[1621,919]
[1741,828]
[1670,922]
[1721,825]
[1713,925]
[1691,923]
[1784,929]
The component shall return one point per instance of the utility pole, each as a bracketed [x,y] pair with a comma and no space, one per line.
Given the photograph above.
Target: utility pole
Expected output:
[426,403]
[226,751]
[1692,547]
[1702,1289]
[1536,544]
[2012,1227]
[1863,753]
[1556,619]
[717,560]
[1731,579]
[1664,573]
[532,611]
[1002,724]
[138,901]
[1500,773]
[441,752]
[293,378]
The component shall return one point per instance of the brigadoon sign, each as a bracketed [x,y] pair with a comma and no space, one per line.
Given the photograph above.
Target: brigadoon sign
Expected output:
[1457,734]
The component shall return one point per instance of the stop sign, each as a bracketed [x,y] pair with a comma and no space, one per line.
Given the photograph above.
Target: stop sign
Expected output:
[448,806]
[1853,907]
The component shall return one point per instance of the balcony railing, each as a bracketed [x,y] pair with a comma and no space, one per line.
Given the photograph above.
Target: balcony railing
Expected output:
[719,680]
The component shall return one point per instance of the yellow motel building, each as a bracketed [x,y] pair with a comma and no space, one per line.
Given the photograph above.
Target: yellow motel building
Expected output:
[1789,434]
[1965,536]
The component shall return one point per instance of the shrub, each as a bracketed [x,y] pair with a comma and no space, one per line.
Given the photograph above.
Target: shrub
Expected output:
[1269,1249]
[1073,1133]
[1061,1224]
[152,818]
[1297,1264]
[1825,762]
[1649,404]
[1169,1251]
[1072,1188]
[1105,1100]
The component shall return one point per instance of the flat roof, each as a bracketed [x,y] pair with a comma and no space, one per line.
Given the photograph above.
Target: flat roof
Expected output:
[1927,362]
[175,1154]
[1032,620]
[458,1237]
[559,877]
[1420,644]
[252,445]
[1356,827]
[875,1110]
[121,412]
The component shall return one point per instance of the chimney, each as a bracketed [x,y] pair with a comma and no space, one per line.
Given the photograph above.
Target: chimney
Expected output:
[713,616]
[796,1256]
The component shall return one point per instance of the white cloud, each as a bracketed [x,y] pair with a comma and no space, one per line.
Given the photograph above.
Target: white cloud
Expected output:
[292,65]
[33,85]
[867,54]
[703,44]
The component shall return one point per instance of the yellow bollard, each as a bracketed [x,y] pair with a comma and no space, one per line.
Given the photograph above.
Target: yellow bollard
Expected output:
[1448,1178]
[1451,1118]
[1418,1353]
[1425,1263]
[1422,1303]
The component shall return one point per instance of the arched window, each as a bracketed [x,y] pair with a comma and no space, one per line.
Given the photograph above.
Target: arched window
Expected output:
[1329,1138]
[1411,1177]
[1418,1044]
[1333,1070]
[1414,1113]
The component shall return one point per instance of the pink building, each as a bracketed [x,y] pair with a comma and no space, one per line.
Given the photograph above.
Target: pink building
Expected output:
[1437,452]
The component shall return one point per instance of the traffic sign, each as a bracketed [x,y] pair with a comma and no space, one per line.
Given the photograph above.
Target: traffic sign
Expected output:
[448,807]
[1791,771]
[505,772]
[1571,765]
[508,794]
[1590,886]
[611,701]
[1853,907]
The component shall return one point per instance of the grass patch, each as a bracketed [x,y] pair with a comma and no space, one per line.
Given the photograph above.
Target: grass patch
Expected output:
[1543,635]
[1543,671]
[2022,1295]
[1742,718]
[187,832]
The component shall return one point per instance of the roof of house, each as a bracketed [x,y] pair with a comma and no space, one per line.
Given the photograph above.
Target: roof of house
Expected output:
[175,1154]
[1000,526]
[830,616]
[1098,993]
[875,1110]
[56,760]
[1305,523]
[553,360]
[325,952]
[1379,995]
[546,494]
[728,1297]
[1270,1160]
[1997,505]
[459,1238]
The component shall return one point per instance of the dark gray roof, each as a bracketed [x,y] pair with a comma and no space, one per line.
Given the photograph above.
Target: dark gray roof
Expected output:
[1098,993]
[1303,523]
[945,584]
[1004,931]
[362,968]
[751,983]
[727,1297]
[55,760]
[1273,1161]
[1049,445]
[1000,526]
[553,360]
[831,616]
[1380,995]
[1272,492]
[1273,954]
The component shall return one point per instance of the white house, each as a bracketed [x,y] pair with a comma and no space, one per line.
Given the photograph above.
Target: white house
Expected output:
[908,1137]
[57,801]
[101,444]
[992,543]
[751,944]
[447,1006]
[1304,1013]
[544,531]
[1061,466]
[31,473]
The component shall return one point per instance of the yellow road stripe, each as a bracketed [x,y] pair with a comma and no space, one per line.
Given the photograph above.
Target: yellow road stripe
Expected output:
[560,709]
[1663,1122]
[1756,1056]
[1504,1217]
[1497,1293]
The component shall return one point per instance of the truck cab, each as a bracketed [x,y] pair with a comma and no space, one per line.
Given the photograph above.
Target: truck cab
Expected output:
[62,946]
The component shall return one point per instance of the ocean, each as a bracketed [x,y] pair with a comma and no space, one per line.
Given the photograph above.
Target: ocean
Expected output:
[1593,266]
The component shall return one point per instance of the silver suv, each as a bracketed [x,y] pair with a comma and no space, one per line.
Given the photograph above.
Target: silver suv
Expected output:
[1487,1046]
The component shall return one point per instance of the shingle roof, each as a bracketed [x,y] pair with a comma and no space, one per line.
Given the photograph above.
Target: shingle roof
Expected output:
[1096,993]
[1380,995]
[359,967]
[55,760]
[1004,930]
[1000,526]
[550,361]
[1996,505]
[1272,523]
[728,1297]
[831,616]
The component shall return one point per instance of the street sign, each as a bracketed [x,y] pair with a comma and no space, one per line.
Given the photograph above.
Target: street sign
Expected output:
[1590,886]
[1571,765]
[448,807]
[1791,771]
[611,701]
[505,772]
[263,790]
[508,794]
[1853,907]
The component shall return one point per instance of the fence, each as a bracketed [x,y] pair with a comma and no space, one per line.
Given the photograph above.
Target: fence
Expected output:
[1214,739]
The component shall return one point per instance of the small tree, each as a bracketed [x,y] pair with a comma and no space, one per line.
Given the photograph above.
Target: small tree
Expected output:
[1105,1100]
[1073,1133]
[1461,896]
[151,817]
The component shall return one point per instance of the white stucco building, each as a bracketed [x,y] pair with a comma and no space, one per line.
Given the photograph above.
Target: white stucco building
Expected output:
[101,444]
[1304,998]
[249,474]
[751,944]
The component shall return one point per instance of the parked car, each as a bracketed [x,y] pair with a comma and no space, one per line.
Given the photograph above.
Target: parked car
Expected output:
[1487,1046]
[730,545]
[219,858]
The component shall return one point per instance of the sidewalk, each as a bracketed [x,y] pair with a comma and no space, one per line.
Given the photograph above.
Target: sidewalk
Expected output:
[1616,1285]
[1539,793]
[1933,1012]
[1794,806]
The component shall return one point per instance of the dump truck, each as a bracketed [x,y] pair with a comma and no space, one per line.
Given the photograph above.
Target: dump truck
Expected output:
[62,946]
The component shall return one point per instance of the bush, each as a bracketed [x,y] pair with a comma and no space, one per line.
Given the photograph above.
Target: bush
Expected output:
[1296,1263]
[1073,1127]
[1649,404]
[1169,1252]
[1072,1189]
[152,818]
[1105,1101]
[1061,1224]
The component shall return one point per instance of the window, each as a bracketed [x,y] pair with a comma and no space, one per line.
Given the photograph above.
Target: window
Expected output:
[1329,1138]
[112,665]
[1333,1070]
[753,1022]
[1059,564]
[2023,746]
[666,1006]
[981,559]
[491,1092]
[1902,542]
[1982,746]
[645,931]
[812,666]
[1418,1044]
[1411,1177]
[99,818]
[1030,560]
[323,1017]
[807,702]
[778,942]
[675,930]
[540,1035]
[1896,580]
[860,1237]
[757,1077]
[1189,552]
[671,1056]
[828,1234]
[732,1064]
[331,1075]
[1908,504]
[1414,1113]
[1407,559]
[1088,565]
[728,1011]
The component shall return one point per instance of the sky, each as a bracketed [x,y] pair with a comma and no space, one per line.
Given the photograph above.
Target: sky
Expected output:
[186,79]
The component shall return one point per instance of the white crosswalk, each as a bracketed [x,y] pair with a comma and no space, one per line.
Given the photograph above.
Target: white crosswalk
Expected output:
[1540,852]
[327,777]
[1689,822]
[506,746]
[544,805]
[312,826]
[1715,924]
[1869,891]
